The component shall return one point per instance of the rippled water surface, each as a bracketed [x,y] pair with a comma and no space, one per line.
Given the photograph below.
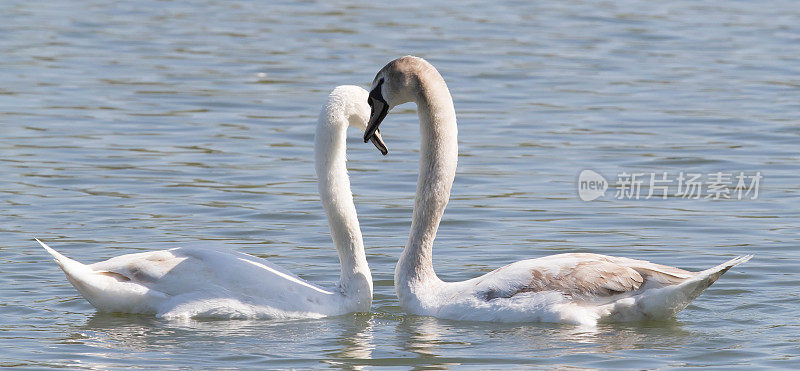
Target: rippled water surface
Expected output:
[130,126]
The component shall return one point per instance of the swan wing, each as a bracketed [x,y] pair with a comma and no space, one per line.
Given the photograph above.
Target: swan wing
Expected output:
[181,270]
[141,268]
[582,277]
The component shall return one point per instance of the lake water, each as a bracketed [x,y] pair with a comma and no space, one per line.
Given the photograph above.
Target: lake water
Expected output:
[130,126]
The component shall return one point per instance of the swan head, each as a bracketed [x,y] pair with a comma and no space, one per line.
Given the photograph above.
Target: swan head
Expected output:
[398,82]
[351,102]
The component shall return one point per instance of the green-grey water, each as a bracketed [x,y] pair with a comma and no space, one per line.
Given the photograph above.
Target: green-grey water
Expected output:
[129,126]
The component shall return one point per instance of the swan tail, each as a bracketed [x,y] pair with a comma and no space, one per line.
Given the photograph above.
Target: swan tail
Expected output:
[106,291]
[712,274]
[665,302]
[73,269]
[693,287]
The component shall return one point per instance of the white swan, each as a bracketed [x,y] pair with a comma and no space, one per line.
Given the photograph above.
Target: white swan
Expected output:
[194,282]
[573,288]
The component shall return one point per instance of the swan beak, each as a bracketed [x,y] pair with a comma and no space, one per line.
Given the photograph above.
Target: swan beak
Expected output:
[378,142]
[379,109]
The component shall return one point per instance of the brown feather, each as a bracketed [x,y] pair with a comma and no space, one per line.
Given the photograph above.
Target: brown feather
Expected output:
[587,279]
[595,276]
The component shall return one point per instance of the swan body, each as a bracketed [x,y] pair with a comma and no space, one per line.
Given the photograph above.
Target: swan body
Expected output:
[193,282]
[578,288]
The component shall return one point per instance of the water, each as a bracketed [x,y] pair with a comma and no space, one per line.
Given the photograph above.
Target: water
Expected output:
[129,126]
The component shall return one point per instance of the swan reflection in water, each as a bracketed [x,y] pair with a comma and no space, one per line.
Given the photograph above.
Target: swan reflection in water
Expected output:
[351,341]
[428,338]
[241,342]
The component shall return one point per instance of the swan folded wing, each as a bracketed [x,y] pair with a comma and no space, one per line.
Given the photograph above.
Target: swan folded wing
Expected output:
[588,276]
[183,271]
[585,280]
[142,268]
[663,275]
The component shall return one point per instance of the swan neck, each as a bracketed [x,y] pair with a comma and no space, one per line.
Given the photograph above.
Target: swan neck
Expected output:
[337,199]
[438,160]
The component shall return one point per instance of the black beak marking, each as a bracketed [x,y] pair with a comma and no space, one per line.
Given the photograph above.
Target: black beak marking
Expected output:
[379,110]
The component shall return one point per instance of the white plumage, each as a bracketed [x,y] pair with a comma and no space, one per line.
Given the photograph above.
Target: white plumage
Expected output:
[195,282]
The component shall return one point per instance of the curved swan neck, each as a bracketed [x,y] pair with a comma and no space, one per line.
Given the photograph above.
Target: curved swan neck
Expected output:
[438,160]
[337,199]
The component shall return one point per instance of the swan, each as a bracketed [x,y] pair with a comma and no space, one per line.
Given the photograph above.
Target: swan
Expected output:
[578,288]
[191,282]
